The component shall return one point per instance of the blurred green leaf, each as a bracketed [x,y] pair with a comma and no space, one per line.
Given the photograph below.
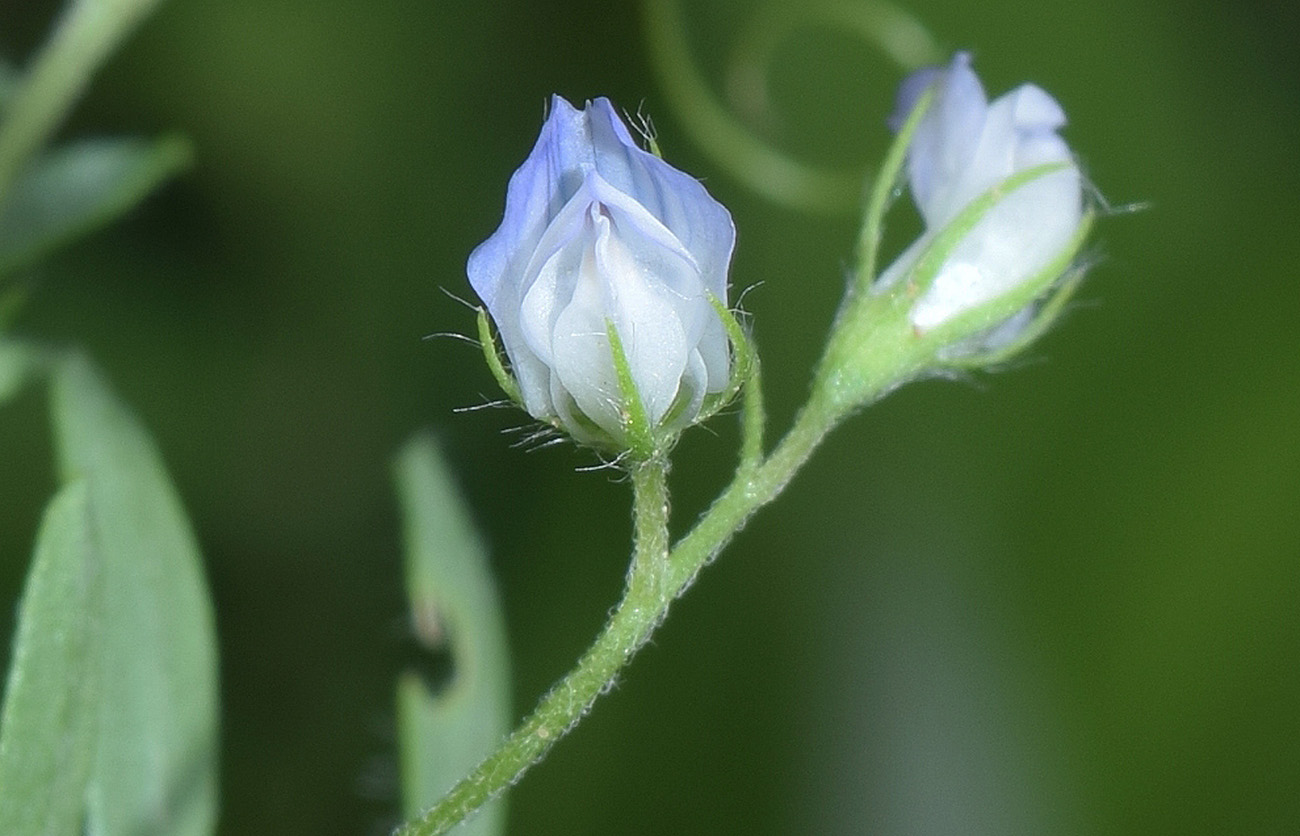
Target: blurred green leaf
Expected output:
[11,299]
[8,84]
[47,730]
[444,731]
[75,189]
[156,765]
[85,34]
[16,363]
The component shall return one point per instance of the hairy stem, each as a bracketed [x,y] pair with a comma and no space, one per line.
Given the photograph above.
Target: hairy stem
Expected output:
[644,602]
[656,578]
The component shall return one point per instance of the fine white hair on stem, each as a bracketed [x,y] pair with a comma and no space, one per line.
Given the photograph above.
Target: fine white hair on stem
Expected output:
[538,437]
[615,464]
[643,124]
[1109,209]
[459,299]
[453,335]
[499,403]
[738,308]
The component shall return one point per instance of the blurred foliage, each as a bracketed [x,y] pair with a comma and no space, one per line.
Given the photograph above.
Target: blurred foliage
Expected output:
[48,727]
[75,189]
[155,745]
[1062,599]
[448,720]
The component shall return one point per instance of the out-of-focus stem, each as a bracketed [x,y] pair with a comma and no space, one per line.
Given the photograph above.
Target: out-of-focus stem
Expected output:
[86,34]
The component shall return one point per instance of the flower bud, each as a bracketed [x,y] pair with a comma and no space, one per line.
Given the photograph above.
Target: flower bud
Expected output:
[602,240]
[1002,201]
[964,147]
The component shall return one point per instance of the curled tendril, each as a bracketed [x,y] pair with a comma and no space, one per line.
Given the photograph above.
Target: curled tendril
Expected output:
[770,172]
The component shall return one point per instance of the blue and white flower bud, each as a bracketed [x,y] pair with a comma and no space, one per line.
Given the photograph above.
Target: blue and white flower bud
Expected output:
[599,236]
[963,147]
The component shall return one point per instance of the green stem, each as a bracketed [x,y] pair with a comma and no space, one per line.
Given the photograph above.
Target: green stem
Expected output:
[656,578]
[874,362]
[753,418]
[882,191]
[644,603]
[760,166]
[752,491]
[85,35]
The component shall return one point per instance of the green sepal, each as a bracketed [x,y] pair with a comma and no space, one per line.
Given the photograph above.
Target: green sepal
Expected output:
[745,376]
[493,357]
[638,433]
[883,191]
[1067,282]
[988,315]
[930,262]
[874,339]
[744,360]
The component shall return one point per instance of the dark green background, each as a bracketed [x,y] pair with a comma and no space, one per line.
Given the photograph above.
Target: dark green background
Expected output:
[1064,598]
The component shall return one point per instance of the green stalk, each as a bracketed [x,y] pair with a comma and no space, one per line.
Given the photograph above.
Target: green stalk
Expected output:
[84,37]
[880,358]
[657,577]
[644,603]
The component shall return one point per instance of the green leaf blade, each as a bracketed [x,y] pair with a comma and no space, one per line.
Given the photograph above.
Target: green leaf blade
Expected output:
[155,772]
[75,189]
[18,362]
[48,723]
[444,734]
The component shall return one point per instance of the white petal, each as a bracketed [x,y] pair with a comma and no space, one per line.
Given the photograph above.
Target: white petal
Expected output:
[645,313]
[599,231]
[692,390]
[714,348]
[548,280]
[679,201]
[613,285]
[581,358]
[1033,108]
[945,141]
[1014,241]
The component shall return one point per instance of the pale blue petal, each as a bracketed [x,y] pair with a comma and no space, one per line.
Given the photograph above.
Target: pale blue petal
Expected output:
[597,230]
[909,92]
[946,139]
[552,173]
[679,201]
[963,147]
[1018,237]
[1033,108]
[613,288]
